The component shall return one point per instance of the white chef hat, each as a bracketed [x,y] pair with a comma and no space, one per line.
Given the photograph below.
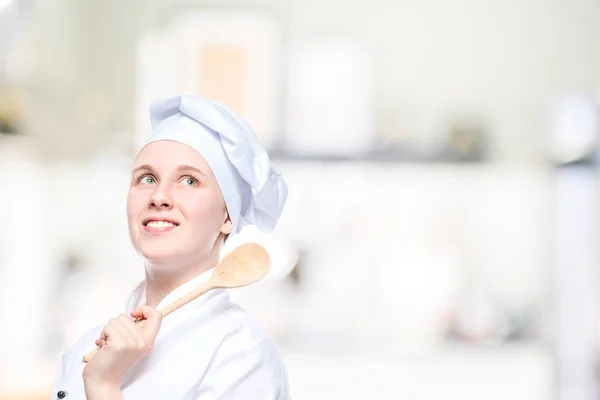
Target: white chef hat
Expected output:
[254,192]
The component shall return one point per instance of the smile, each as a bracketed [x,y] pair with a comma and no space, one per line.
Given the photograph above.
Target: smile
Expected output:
[159,226]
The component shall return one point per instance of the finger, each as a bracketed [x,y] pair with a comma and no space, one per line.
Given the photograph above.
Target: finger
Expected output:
[128,323]
[138,312]
[138,317]
[128,335]
[153,321]
[133,330]
[104,333]
[117,335]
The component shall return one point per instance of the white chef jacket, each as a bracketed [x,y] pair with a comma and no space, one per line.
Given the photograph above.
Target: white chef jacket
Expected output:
[208,349]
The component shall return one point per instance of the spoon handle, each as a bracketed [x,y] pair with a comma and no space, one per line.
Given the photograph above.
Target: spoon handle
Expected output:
[199,291]
[164,311]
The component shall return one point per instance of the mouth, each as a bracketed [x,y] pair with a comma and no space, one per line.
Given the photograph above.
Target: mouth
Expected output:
[159,225]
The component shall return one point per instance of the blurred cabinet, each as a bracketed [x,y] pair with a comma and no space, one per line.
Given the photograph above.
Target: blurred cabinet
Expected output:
[231,56]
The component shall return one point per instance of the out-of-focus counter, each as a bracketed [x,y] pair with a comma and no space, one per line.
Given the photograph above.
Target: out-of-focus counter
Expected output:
[515,373]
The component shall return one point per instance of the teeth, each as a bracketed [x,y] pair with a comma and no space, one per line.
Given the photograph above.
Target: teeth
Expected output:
[160,224]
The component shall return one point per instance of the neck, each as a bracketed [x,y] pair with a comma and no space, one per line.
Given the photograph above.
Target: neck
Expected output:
[164,277]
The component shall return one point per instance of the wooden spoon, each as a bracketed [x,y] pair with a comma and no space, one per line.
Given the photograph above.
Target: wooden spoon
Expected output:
[245,265]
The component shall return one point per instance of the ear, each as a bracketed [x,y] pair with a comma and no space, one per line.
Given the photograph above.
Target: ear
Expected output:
[227,225]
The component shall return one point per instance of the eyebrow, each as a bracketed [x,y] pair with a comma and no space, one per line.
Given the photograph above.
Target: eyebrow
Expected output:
[144,167]
[190,168]
[147,167]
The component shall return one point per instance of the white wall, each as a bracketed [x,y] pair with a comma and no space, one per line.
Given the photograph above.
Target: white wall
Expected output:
[503,59]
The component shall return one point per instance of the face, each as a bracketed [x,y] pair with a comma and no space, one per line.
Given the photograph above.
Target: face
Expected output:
[175,208]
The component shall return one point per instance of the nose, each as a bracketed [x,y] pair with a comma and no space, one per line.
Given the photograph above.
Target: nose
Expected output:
[161,198]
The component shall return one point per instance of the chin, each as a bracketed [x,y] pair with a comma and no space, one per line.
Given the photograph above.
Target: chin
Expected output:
[156,254]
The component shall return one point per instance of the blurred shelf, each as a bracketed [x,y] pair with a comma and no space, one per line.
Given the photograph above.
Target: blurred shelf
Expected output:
[385,154]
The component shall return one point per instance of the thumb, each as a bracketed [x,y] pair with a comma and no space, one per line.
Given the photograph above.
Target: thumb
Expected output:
[138,313]
[153,320]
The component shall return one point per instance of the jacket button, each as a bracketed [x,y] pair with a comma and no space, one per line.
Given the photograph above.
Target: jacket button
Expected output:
[61,394]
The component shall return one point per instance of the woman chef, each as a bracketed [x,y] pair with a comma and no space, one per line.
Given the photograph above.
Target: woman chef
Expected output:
[200,177]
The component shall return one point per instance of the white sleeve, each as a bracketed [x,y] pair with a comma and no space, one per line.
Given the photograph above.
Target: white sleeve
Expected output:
[59,377]
[241,370]
[69,372]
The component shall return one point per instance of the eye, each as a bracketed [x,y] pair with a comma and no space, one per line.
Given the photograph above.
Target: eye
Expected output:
[189,180]
[146,180]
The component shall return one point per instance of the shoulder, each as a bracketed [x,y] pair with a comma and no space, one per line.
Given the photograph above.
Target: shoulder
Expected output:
[248,360]
[247,339]
[70,368]
[245,331]
[82,346]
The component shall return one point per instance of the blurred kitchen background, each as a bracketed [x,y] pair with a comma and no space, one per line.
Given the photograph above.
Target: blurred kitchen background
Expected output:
[441,234]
